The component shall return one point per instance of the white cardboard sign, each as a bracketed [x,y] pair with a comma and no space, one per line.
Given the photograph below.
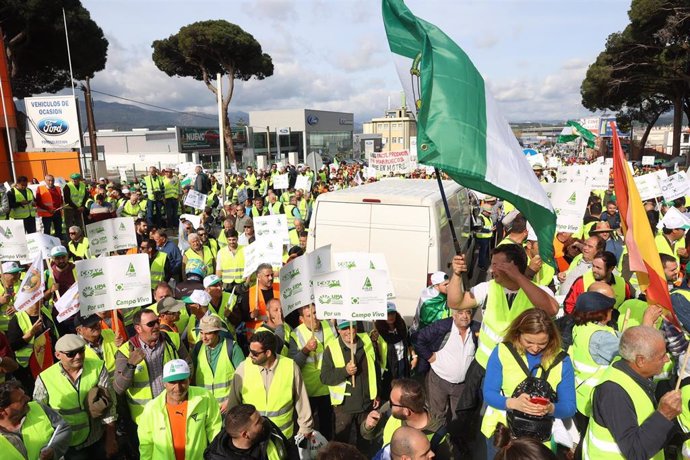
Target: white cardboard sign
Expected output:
[569,200]
[273,227]
[364,261]
[296,278]
[195,200]
[13,245]
[262,251]
[281,181]
[356,295]
[302,183]
[111,235]
[674,186]
[107,283]
[648,184]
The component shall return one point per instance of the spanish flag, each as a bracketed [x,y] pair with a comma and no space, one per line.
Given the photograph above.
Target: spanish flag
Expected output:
[643,256]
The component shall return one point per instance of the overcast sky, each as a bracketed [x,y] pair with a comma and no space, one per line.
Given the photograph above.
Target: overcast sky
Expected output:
[333,54]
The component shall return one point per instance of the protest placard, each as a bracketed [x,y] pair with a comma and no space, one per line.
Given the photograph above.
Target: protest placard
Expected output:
[648,160]
[537,159]
[648,184]
[397,162]
[269,251]
[32,287]
[674,186]
[569,200]
[40,243]
[364,261]
[302,183]
[242,196]
[68,304]
[357,295]
[272,227]
[281,181]
[598,176]
[111,235]
[107,283]
[195,200]
[296,278]
[13,241]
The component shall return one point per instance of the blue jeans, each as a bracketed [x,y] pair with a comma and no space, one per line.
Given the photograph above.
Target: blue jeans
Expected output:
[171,205]
[483,245]
[154,218]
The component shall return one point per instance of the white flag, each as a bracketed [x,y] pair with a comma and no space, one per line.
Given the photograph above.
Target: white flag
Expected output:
[68,304]
[31,290]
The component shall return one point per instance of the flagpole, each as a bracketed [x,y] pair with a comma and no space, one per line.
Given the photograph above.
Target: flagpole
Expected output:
[74,95]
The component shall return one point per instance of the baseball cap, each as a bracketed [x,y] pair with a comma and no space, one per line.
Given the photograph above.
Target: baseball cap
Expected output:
[75,176]
[211,323]
[69,342]
[175,370]
[169,305]
[125,190]
[88,321]
[344,324]
[11,267]
[58,251]
[537,166]
[390,307]
[212,280]
[195,266]
[438,278]
[593,301]
[490,199]
[200,297]
[101,178]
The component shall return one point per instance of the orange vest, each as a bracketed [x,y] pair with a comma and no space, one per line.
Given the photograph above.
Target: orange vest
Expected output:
[261,307]
[46,200]
[121,331]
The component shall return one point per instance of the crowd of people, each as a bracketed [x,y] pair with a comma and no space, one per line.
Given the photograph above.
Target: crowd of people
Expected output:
[536,362]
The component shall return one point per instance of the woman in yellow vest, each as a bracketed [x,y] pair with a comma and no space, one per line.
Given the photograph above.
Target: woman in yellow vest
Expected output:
[200,252]
[532,343]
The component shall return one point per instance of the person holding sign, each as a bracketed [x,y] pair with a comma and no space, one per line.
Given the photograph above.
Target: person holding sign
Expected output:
[307,344]
[253,307]
[9,286]
[352,402]
[198,251]
[273,384]
[215,358]
[31,335]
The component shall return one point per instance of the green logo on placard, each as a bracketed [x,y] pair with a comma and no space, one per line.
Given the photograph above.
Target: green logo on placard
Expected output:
[572,198]
[6,232]
[371,265]
[131,271]
[318,262]
[354,300]
[122,226]
[367,284]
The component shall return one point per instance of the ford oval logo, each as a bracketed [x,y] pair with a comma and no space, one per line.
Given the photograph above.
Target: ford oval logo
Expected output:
[312,119]
[53,126]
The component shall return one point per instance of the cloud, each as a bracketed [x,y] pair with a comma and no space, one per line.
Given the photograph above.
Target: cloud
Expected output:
[486,41]
[272,10]
[367,55]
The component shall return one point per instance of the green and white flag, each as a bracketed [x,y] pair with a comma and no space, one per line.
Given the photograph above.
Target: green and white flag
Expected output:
[459,127]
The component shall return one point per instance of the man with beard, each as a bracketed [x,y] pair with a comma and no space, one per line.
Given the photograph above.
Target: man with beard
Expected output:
[603,265]
[249,436]
[30,429]
[181,421]
[406,407]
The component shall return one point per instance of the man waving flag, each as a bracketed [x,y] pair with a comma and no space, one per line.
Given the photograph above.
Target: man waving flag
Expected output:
[459,128]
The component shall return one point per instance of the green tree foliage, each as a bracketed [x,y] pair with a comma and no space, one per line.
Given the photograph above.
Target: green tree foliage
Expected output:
[34,35]
[645,67]
[203,49]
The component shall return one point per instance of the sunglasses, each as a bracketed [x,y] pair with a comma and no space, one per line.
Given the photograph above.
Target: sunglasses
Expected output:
[257,353]
[152,323]
[72,233]
[73,353]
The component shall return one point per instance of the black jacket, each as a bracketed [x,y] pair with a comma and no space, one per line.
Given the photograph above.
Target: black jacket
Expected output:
[221,448]
[433,337]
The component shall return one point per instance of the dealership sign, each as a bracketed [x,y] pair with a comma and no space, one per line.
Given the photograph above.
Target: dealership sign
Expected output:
[53,121]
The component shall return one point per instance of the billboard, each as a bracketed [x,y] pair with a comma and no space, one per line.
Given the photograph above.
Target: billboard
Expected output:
[53,122]
[194,139]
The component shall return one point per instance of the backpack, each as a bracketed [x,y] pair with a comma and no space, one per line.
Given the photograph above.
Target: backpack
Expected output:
[520,423]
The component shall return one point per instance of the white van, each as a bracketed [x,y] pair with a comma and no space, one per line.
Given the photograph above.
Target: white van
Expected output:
[405,220]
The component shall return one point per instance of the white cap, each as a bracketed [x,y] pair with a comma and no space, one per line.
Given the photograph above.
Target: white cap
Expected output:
[438,278]
[11,267]
[58,251]
[211,280]
[200,297]
[125,190]
[674,219]
[175,370]
[510,217]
